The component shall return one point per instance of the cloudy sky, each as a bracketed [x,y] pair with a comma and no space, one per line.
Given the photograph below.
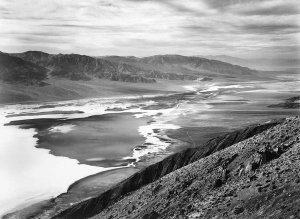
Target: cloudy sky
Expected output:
[239,28]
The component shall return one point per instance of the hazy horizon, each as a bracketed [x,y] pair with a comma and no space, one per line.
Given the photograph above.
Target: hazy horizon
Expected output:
[267,28]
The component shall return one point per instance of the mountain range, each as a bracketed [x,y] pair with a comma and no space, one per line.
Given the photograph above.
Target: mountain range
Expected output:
[36,66]
[14,69]
[263,64]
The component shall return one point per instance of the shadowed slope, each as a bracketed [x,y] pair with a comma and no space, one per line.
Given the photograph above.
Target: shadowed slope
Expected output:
[16,70]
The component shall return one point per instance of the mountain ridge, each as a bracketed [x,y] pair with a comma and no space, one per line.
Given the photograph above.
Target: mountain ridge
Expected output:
[82,67]
[133,69]
[17,70]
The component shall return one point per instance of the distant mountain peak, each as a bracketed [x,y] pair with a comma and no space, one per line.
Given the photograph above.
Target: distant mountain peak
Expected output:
[16,70]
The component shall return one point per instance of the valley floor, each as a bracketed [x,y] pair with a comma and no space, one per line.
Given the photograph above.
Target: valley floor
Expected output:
[201,114]
[64,89]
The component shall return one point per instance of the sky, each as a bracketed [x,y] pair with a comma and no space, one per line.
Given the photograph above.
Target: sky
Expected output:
[240,28]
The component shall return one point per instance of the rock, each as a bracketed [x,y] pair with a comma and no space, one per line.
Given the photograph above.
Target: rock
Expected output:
[218,183]
[238,210]
[151,215]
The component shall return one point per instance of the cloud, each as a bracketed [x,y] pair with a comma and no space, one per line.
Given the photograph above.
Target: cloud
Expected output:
[41,39]
[148,27]
[188,7]
[285,9]
[225,4]
[32,33]
[87,26]
[273,28]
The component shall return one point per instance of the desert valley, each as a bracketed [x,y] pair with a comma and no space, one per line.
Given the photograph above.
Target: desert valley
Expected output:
[149,109]
[70,113]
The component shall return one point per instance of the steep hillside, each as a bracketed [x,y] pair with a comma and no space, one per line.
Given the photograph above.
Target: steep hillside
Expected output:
[133,69]
[229,59]
[256,178]
[197,64]
[80,67]
[16,70]
[189,65]
[36,57]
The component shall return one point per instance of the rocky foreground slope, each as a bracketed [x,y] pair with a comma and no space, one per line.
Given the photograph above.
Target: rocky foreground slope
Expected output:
[226,182]
[256,178]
